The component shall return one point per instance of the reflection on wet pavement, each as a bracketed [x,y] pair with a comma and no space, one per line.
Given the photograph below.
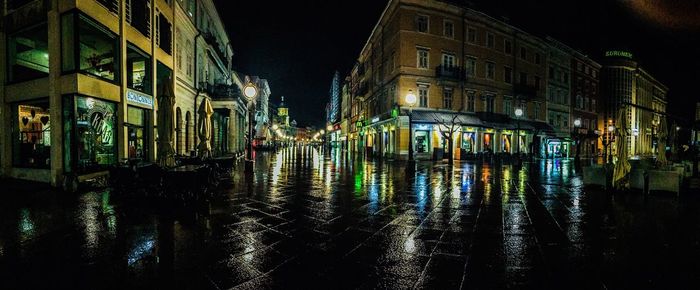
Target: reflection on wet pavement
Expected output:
[307,220]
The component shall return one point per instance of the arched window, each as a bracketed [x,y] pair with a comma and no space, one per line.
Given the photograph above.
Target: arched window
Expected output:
[178,132]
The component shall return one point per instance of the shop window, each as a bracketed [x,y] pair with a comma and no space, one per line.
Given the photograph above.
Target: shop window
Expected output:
[28,54]
[138,70]
[94,46]
[136,132]
[421,141]
[31,146]
[90,132]
[468,142]
[506,146]
[163,75]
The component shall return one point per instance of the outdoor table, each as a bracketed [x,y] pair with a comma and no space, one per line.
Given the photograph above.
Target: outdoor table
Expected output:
[224,163]
[187,180]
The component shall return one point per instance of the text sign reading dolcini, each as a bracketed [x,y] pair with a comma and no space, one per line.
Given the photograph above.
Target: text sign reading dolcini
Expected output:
[139,99]
[618,53]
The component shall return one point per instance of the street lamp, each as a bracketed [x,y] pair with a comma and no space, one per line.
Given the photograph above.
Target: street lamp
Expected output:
[329,129]
[251,92]
[577,138]
[410,101]
[611,129]
[518,114]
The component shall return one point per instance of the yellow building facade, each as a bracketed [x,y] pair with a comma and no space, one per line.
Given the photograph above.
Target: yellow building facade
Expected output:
[80,85]
[461,65]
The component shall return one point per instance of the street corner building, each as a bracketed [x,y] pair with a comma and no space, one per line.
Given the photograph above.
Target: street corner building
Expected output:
[81,82]
[481,86]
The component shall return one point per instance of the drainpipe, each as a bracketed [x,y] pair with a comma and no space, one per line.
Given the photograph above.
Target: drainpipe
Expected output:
[196,74]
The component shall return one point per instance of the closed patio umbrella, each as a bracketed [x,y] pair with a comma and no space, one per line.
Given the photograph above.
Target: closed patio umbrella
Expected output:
[205,112]
[662,135]
[622,166]
[166,103]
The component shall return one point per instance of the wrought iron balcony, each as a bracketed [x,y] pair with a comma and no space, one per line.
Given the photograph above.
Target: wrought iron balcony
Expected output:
[221,91]
[449,72]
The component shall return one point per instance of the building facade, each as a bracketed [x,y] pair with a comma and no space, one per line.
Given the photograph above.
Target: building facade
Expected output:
[469,72]
[585,86]
[81,80]
[558,99]
[627,88]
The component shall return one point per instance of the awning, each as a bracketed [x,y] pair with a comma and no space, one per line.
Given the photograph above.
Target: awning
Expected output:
[433,117]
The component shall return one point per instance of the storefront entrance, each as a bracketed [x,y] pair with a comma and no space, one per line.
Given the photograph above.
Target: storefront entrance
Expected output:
[506,144]
[137,134]
[557,149]
[421,141]
[488,142]
[468,142]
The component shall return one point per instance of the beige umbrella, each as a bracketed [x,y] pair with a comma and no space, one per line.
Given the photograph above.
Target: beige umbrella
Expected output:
[662,135]
[166,103]
[622,166]
[205,112]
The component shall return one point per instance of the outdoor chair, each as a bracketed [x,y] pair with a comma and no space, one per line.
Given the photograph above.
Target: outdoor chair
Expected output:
[597,175]
[665,180]
[638,179]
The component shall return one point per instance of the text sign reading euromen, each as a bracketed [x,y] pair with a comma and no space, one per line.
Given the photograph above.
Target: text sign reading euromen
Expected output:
[139,99]
[618,53]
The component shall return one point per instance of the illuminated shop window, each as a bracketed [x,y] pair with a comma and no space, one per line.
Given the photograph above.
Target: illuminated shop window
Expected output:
[31,138]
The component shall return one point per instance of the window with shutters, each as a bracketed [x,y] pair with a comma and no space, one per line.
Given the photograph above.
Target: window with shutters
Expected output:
[137,14]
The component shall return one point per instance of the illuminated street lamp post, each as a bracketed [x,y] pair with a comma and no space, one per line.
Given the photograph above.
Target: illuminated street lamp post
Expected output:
[329,130]
[274,136]
[410,101]
[611,129]
[577,138]
[250,91]
[518,115]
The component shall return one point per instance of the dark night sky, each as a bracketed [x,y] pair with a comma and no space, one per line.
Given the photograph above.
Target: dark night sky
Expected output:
[297,45]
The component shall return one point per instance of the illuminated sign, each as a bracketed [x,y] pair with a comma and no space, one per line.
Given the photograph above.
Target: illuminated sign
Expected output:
[618,53]
[375,120]
[422,127]
[139,99]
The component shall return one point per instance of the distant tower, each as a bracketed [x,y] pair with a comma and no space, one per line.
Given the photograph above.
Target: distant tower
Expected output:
[283,113]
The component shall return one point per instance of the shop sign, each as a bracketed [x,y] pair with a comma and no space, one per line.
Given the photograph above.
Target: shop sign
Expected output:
[375,120]
[139,99]
[423,127]
[618,53]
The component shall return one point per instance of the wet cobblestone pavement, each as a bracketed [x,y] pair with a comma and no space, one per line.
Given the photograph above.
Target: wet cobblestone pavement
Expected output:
[311,222]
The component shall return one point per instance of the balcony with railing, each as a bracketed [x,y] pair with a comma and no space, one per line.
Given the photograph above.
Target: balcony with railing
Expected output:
[449,72]
[221,92]
[213,41]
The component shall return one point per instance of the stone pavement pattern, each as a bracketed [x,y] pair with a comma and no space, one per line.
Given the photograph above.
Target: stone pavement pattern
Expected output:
[309,222]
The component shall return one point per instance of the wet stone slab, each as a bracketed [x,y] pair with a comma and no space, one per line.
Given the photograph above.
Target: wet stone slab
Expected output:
[309,220]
